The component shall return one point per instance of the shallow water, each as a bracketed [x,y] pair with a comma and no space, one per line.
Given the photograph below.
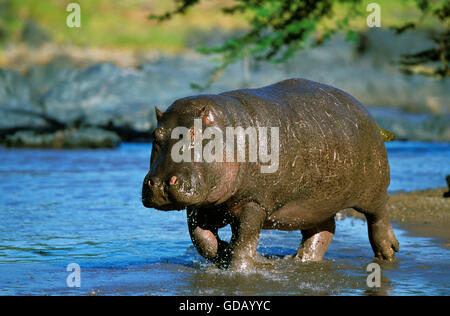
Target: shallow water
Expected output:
[83,206]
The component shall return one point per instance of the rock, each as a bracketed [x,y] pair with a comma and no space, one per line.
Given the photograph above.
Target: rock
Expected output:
[42,78]
[70,138]
[14,88]
[17,110]
[63,95]
[104,96]
[447,194]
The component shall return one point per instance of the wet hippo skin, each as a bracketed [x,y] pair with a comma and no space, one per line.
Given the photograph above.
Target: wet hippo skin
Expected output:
[331,156]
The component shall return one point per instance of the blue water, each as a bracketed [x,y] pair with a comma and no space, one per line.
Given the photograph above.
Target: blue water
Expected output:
[83,206]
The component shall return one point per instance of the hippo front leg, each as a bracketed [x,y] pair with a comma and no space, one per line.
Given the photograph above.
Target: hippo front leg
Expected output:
[315,241]
[244,242]
[203,232]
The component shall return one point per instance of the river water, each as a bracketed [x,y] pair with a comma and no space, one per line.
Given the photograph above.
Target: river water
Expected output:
[83,206]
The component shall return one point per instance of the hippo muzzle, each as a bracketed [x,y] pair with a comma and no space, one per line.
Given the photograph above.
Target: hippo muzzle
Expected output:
[174,192]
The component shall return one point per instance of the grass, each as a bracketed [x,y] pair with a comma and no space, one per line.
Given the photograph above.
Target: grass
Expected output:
[125,24]
[119,24]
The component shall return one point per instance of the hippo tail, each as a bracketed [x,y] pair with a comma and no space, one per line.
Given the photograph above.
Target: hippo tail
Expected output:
[387,136]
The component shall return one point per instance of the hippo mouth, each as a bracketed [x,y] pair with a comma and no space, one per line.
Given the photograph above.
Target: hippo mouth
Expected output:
[164,207]
[173,195]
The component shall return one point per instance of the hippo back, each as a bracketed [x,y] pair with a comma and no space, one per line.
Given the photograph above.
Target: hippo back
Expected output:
[329,144]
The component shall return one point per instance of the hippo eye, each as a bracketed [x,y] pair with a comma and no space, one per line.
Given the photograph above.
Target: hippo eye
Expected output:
[158,135]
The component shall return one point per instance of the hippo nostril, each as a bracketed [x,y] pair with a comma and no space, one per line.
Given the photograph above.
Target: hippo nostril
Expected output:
[154,182]
[173,180]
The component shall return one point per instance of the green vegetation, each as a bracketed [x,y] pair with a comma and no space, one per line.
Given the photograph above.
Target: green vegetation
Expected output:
[264,29]
[125,24]
[111,23]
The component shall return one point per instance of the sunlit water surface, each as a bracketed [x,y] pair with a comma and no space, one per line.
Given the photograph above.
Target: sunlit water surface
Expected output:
[83,206]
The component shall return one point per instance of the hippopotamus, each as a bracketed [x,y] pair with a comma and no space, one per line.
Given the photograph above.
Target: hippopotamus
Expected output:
[331,156]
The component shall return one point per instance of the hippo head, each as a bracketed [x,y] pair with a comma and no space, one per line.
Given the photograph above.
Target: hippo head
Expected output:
[176,178]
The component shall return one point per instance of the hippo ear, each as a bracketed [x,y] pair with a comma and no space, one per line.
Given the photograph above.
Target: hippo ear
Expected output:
[159,114]
[207,115]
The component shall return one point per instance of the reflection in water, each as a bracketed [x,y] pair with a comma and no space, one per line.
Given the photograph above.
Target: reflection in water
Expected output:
[83,206]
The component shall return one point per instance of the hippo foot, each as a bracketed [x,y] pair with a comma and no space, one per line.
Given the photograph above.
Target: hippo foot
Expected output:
[381,236]
[242,264]
[383,241]
[226,262]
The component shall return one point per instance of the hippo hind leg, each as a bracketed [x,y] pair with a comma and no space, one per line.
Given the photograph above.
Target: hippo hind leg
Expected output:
[381,236]
[315,241]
